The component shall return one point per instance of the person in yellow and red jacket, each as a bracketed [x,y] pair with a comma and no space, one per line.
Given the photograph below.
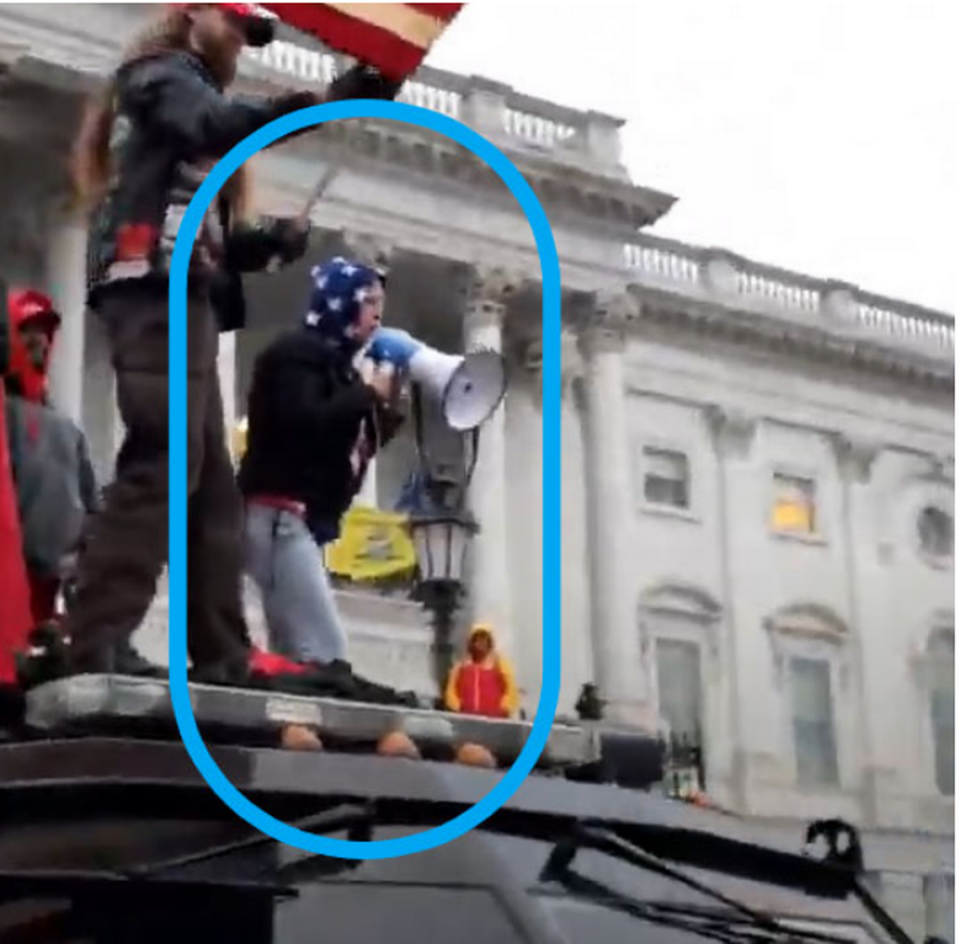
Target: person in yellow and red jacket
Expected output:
[484,682]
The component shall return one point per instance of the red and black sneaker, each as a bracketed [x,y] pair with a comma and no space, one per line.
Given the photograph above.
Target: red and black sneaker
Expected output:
[270,665]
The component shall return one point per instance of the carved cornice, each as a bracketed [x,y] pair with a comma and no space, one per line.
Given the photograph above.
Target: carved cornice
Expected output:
[733,429]
[602,337]
[941,466]
[855,455]
[493,284]
[615,310]
[571,360]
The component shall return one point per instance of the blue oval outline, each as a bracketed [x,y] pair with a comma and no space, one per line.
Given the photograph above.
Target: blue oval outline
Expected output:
[551,288]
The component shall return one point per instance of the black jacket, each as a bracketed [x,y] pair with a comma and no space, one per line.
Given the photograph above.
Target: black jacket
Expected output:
[307,409]
[172,124]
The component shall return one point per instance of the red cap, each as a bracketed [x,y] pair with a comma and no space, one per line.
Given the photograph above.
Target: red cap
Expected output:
[257,28]
[26,305]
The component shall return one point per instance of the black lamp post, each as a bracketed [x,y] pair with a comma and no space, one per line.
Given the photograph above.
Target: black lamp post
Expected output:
[442,528]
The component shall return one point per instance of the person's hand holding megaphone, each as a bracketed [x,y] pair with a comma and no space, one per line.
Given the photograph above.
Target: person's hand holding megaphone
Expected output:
[380,378]
[383,384]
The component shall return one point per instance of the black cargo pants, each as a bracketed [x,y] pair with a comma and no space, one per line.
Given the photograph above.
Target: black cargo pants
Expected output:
[126,547]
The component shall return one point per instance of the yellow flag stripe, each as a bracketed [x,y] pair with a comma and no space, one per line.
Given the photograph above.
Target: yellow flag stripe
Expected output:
[412,26]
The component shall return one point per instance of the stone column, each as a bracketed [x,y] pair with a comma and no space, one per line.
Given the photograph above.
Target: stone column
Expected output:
[372,249]
[753,748]
[100,414]
[66,282]
[490,595]
[855,457]
[618,659]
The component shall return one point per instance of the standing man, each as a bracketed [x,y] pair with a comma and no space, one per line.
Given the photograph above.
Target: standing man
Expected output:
[141,154]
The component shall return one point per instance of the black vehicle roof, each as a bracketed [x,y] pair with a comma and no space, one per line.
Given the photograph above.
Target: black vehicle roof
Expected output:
[56,782]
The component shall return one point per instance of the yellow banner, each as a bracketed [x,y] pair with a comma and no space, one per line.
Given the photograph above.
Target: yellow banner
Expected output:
[373,545]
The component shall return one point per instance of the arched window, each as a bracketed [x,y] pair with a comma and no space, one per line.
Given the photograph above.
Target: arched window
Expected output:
[677,624]
[940,652]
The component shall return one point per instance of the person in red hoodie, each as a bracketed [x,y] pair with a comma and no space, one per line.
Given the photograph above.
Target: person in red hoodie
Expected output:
[484,682]
[52,472]
[15,618]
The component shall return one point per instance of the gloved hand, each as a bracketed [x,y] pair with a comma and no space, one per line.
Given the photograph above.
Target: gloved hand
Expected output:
[363,81]
[293,237]
[393,346]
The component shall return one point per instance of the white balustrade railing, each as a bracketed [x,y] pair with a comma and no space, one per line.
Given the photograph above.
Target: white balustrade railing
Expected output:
[535,128]
[913,328]
[317,66]
[772,290]
[442,100]
[905,326]
[305,65]
[660,263]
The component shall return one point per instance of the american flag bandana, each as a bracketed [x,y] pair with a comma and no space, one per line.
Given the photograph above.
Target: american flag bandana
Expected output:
[394,37]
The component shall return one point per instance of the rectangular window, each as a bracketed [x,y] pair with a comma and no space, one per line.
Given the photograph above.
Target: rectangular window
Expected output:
[678,683]
[794,505]
[813,730]
[666,478]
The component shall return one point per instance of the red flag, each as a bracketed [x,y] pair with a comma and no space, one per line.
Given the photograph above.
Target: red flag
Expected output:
[15,620]
[394,37]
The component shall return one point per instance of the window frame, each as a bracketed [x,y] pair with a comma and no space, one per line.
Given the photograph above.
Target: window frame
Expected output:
[676,611]
[925,667]
[819,533]
[813,631]
[680,639]
[815,657]
[641,466]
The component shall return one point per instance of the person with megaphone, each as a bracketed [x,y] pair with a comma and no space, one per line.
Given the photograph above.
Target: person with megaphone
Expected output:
[314,423]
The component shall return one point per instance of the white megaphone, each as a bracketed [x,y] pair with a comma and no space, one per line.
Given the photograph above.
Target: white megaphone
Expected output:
[468,387]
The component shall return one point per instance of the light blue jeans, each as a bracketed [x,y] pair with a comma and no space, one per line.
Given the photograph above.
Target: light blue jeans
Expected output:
[298,602]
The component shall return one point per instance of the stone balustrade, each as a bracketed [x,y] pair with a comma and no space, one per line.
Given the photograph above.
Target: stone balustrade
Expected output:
[494,109]
[535,128]
[727,279]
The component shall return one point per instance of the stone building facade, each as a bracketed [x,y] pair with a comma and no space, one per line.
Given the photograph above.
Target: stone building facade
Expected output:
[757,478]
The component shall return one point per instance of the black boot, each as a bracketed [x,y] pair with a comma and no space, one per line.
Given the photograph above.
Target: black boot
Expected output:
[127,661]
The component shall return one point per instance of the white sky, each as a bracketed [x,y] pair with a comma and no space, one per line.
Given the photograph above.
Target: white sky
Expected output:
[817,135]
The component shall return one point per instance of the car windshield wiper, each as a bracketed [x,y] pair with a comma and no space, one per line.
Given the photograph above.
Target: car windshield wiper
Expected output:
[740,923]
[714,925]
[358,819]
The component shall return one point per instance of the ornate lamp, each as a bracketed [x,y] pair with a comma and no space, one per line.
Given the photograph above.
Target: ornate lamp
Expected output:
[468,389]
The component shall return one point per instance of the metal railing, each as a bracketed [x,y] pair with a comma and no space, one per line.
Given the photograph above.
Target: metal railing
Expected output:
[684,772]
